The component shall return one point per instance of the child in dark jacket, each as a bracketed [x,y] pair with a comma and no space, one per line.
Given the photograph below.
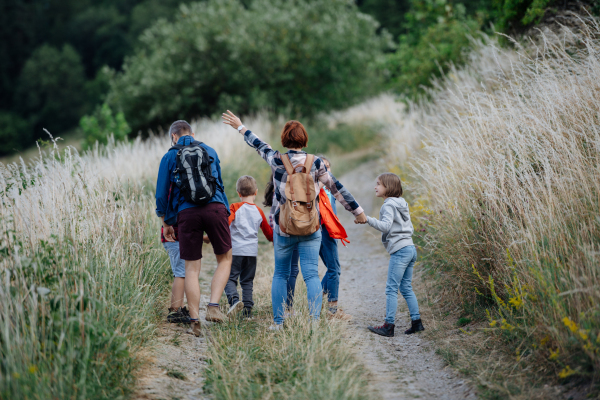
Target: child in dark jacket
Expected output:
[396,227]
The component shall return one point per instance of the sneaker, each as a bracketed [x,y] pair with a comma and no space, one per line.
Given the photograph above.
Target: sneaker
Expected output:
[234,309]
[339,314]
[276,327]
[288,314]
[185,311]
[196,328]
[214,314]
[247,312]
[178,316]
[383,330]
[415,326]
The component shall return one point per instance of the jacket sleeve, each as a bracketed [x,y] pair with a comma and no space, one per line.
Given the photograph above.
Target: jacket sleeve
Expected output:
[338,190]
[272,157]
[264,225]
[163,183]
[232,209]
[387,219]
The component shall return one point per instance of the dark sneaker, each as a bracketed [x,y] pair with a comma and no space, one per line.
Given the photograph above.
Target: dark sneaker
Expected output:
[416,326]
[185,311]
[383,330]
[247,312]
[178,316]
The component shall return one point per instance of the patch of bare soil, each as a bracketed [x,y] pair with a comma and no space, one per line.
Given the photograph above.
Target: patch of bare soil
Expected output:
[405,366]
[174,366]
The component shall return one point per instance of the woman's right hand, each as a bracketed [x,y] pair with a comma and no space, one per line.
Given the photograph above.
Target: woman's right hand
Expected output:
[229,118]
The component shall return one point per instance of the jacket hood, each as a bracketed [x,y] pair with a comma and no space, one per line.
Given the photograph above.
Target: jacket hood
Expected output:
[397,202]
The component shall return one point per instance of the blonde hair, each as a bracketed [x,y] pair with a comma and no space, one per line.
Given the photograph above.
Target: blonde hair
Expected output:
[391,183]
[246,186]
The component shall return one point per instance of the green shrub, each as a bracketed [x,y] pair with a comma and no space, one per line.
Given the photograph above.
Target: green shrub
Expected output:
[50,90]
[100,126]
[299,56]
[439,37]
[15,133]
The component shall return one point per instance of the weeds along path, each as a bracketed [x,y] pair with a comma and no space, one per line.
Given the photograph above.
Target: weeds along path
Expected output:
[405,366]
[174,365]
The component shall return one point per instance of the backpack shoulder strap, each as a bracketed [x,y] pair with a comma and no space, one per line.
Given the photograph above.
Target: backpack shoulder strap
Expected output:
[309,162]
[287,164]
[176,147]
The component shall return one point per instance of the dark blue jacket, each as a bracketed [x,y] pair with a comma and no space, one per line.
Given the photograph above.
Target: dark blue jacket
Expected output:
[169,206]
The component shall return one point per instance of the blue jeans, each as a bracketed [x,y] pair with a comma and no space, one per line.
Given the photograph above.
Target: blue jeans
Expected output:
[291,282]
[400,277]
[329,255]
[177,264]
[308,249]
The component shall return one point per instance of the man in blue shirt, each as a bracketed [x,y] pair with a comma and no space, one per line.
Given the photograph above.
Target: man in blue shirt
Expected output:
[193,221]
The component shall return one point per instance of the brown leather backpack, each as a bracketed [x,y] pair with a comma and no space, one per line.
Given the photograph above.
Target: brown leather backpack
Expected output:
[299,215]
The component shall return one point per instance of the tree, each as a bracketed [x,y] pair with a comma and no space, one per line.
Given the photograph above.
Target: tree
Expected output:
[50,89]
[299,56]
[101,125]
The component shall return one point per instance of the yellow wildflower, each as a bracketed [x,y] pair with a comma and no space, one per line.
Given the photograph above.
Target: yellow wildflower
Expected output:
[583,335]
[544,340]
[566,372]
[516,301]
[553,355]
[493,323]
[570,324]
[32,369]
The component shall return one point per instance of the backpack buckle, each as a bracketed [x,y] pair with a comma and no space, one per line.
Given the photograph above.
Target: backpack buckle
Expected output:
[295,204]
[309,205]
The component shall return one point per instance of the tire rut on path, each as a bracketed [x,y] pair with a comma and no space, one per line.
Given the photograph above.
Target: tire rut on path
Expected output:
[405,366]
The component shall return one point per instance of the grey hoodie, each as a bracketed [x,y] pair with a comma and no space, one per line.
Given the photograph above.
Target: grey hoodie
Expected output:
[394,222]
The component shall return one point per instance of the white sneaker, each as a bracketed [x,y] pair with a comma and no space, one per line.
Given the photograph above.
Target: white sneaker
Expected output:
[276,327]
[289,314]
[234,309]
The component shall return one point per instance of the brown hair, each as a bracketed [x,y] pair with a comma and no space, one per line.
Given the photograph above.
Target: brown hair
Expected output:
[246,186]
[269,191]
[293,135]
[391,183]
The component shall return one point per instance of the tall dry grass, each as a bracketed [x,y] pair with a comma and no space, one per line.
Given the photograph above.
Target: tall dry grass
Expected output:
[511,172]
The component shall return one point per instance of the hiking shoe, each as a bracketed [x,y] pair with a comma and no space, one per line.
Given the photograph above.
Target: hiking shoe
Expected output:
[383,330]
[415,326]
[178,316]
[276,327]
[214,314]
[247,312]
[339,314]
[185,311]
[196,328]
[234,309]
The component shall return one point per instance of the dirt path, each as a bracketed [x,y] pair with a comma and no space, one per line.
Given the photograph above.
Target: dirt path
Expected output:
[174,365]
[406,366]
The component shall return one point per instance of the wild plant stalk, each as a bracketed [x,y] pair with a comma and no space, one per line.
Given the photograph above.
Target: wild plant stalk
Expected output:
[512,177]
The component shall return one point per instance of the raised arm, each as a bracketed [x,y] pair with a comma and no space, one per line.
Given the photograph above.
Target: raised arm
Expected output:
[272,157]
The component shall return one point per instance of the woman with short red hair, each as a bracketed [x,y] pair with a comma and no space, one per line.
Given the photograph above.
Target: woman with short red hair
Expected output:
[294,138]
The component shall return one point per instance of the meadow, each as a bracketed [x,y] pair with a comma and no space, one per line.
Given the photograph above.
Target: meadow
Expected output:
[508,183]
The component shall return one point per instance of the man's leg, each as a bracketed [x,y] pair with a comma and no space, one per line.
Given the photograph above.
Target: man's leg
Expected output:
[221,276]
[192,286]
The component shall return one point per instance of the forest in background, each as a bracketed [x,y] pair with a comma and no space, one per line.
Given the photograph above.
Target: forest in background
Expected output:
[129,66]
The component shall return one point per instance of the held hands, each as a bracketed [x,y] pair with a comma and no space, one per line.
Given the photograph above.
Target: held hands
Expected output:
[361,219]
[205,239]
[229,118]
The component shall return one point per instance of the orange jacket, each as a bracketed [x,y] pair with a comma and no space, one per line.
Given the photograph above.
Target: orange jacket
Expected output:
[330,220]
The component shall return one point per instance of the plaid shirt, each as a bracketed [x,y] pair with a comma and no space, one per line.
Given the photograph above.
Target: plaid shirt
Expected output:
[319,172]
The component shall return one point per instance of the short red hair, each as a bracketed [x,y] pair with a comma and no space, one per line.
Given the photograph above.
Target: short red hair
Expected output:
[294,136]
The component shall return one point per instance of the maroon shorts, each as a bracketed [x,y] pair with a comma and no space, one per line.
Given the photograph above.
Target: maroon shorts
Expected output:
[211,219]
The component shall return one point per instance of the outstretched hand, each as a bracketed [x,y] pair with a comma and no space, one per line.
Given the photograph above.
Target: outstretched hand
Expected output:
[361,219]
[230,118]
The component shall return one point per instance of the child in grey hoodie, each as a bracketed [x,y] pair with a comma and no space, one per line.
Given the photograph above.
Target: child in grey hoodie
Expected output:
[394,223]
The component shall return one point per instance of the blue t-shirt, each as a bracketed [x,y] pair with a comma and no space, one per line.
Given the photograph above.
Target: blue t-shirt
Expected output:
[169,200]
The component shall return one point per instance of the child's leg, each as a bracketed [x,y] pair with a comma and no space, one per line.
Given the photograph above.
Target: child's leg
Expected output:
[247,280]
[231,286]
[406,287]
[291,282]
[178,268]
[329,255]
[391,289]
